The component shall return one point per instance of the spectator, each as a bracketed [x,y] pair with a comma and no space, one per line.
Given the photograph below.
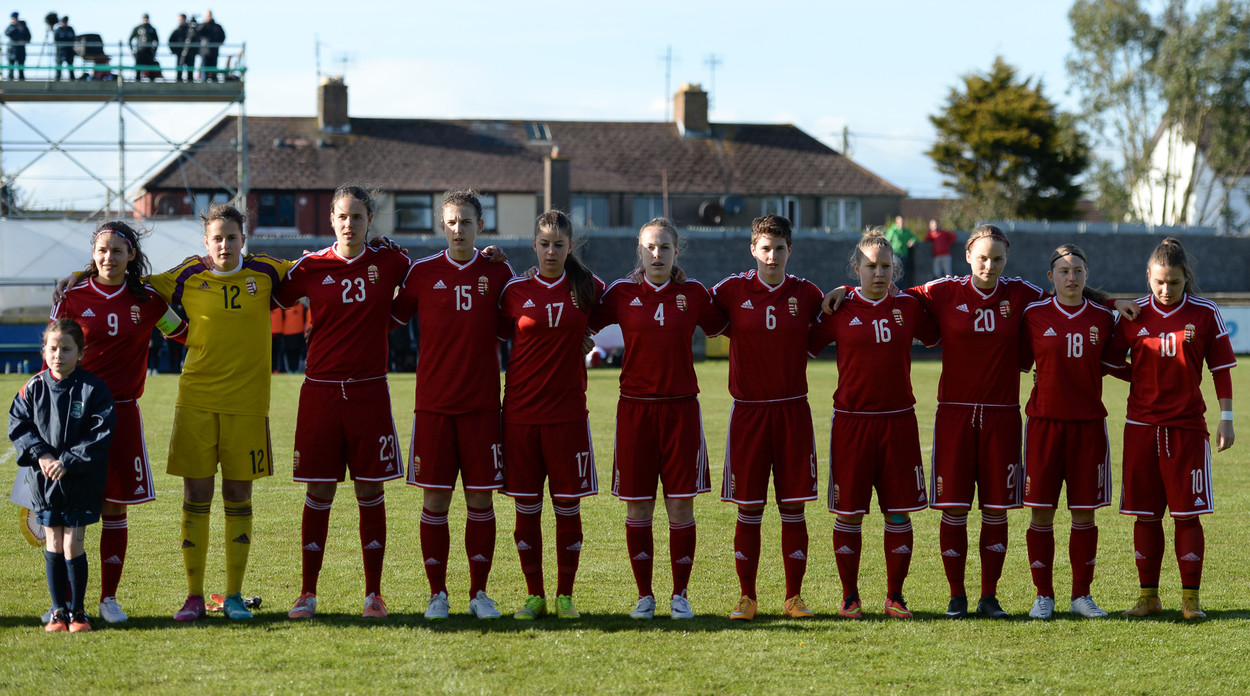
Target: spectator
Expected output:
[902,240]
[178,47]
[211,37]
[18,35]
[942,241]
[63,36]
[294,321]
[191,48]
[275,333]
[144,40]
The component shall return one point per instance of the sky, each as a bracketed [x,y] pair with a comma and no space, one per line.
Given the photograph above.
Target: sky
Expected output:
[879,69]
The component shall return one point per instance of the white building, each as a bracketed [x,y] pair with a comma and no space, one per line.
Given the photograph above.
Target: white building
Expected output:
[1183,189]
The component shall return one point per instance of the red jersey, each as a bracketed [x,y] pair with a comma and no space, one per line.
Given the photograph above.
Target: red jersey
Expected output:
[1167,346]
[118,331]
[457,309]
[942,240]
[980,337]
[1068,345]
[874,350]
[546,380]
[351,299]
[767,328]
[658,324]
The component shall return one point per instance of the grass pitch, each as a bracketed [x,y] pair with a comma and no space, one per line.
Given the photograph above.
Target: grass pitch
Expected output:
[606,652]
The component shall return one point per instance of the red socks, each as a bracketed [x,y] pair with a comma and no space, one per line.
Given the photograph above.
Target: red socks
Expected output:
[114,535]
[993,550]
[898,543]
[479,547]
[640,543]
[747,549]
[681,543]
[953,538]
[848,540]
[529,543]
[435,548]
[1040,540]
[568,543]
[1190,548]
[794,548]
[313,531]
[1148,548]
[1083,555]
[373,540]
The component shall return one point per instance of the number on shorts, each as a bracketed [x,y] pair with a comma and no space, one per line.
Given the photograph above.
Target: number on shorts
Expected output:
[1011,477]
[984,321]
[139,469]
[553,318]
[1197,481]
[659,314]
[770,319]
[258,461]
[881,329]
[496,453]
[1076,345]
[464,299]
[583,462]
[919,478]
[359,296]
[1167,345]
[386,448]
[113,324]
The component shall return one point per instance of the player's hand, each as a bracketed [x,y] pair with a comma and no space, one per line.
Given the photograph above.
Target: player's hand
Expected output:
[679,276]
[530,272]
[1127,308]
[52,468]
[893,290]
[64,284]
[384,242]
[495,254]
[833,300]
[588,344]
[308,332]
[1224,436]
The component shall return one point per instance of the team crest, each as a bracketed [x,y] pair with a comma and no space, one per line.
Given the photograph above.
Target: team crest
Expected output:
[416,465]
[483,285]
[295,461]
[1190,330]
[1028,483]
[898,317]
[793,303]
[75,410]
[938,487]
[1004,308]
[250,283]
[1093,335]
[373,274]
[134,313]
[733,485]
[837,494]
[681,302]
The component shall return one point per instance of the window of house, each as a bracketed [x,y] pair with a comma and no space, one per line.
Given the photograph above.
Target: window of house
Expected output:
[275,210]
[772,206]
[414,211]
[490,218]
[589,211]
[647,208]
[842,214]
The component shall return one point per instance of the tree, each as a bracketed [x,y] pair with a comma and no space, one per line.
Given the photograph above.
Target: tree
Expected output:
[1007,150]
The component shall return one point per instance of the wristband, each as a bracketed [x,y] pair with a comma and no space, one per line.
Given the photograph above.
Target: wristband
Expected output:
[1226,415]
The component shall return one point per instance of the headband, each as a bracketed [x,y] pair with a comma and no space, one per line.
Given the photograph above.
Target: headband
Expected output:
[129,242]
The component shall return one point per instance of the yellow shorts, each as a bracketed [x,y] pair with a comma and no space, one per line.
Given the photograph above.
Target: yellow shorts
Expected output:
[201,439]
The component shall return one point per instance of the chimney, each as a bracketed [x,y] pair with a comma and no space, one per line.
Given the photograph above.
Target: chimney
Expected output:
[690,108]
[556,195]
[332,106]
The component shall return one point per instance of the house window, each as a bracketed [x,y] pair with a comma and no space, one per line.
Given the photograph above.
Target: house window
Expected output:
[794,211]
[647,208]
[414,211]
[276,210]
[842,214]
[589,211]
[787,207]
[490,219]
[772,206]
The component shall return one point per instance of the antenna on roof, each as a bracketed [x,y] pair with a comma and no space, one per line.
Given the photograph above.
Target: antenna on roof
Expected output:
[345,59]
[712,62]
[317,44]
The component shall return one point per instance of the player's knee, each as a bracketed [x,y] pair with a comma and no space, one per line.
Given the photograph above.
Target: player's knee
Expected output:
[898,517]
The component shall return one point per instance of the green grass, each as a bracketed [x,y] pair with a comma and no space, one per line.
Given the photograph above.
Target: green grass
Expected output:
[606,652]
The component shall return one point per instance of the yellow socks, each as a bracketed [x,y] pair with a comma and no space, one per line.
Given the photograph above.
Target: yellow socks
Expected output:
[195,543]
[238,543]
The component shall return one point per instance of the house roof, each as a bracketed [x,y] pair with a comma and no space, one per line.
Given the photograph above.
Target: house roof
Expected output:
[499,155]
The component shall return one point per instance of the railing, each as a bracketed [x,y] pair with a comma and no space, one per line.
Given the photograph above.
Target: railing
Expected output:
[118,62]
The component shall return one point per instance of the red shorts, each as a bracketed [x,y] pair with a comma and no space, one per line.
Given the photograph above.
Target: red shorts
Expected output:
[976,448]
[1073,452]
[879,451]
[1166,468]
[659,441]
[560,452]
[768,438]
[130,475]
[466,443]
[346,426]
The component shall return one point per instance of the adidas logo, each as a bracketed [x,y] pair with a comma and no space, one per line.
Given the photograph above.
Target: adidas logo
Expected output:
[242,539]
[684,560]
[203,285]
[997,548]
[856,322]
[327,281]
[1037,564]
[186,544]
[748,305]
[642,556]
[479,558]
[1191,557]
[962,307]
[739,556]
[312,546]
[951,553]
[1050,332]
[113,560]
[844,550]
[373,546]
[440,286]
[432,562]
[140,490]
[522,546]
[585,484]
[902,549]
[576,546]
[636,303]
[798,555]
[528,304]
[1092,561]
[499,476]
[1199,501]
[88,313]
[1143,332]
[1139,555]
